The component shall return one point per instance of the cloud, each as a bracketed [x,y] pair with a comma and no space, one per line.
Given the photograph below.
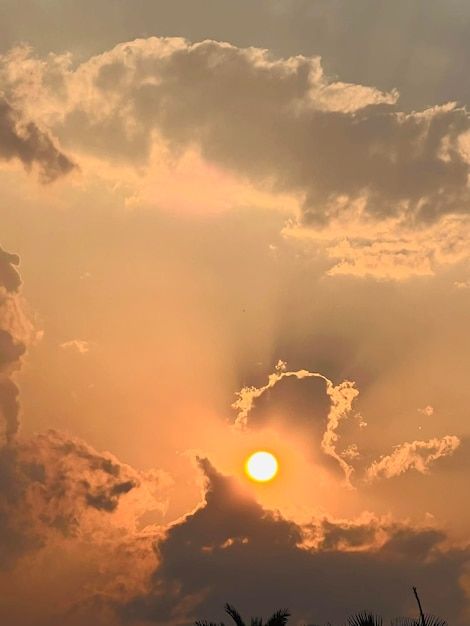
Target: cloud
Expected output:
[232,549]
[334,407]
[279,122]
[72,520]
[418,455]
[55,486]
[15,333]
[311,402]
[389,249]
[428,63]
[9,408]
[10,350]
[346,152]
[428,410]
[24,140]
[9,276]
[60,496]
[76,345]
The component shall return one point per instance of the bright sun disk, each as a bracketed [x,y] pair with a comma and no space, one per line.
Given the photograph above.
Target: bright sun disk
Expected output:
[261,466]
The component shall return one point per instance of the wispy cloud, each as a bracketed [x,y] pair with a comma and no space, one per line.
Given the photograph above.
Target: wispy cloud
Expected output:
[76,345]
[416,455]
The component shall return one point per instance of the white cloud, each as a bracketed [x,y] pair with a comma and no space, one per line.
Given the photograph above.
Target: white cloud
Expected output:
[76,345]
[417,455]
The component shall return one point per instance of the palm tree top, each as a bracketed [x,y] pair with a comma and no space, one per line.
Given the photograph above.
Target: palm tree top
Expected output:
[279,618]
[365,619]
[429,620]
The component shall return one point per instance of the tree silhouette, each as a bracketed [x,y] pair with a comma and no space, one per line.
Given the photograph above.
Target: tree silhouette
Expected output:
[364,618]
[279,618]
[429,620]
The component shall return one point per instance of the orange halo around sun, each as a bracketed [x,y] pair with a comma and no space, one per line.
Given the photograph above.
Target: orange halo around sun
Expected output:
[261,466]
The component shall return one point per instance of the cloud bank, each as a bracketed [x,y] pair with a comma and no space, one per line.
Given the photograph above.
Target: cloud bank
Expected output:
[14,335]
[231,549]
[345,151]
[59,496]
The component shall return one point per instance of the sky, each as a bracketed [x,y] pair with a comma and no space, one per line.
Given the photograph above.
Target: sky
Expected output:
[228,227]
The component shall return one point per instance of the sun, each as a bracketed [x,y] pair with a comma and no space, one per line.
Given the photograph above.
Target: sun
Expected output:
[261,466]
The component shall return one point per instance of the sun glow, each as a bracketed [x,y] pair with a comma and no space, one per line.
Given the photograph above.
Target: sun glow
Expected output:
[261,466]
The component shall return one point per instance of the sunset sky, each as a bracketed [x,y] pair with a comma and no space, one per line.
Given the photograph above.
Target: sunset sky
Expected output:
[229,226]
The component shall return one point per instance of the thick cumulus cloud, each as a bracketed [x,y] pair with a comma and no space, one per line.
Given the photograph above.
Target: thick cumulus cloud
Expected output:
[311,403]
[9,277]
[24,140]
[420,47]
[72,530]
[14,334]
[57,486]
[345,151]
[231,549]
[281,121]
[70,516]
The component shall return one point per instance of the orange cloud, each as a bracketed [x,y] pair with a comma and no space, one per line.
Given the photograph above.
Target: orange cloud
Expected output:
[417,455]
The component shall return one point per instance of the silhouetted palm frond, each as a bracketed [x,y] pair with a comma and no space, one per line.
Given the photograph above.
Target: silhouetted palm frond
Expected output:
[206,623]
[433,620]
[365,619]
[256,621]
[279,618]
[429,620]
[234,614]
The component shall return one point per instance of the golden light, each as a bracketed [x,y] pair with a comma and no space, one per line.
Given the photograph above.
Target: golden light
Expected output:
[261,466]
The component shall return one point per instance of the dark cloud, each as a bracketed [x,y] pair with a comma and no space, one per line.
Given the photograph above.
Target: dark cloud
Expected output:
[23,140]
[10,350]
[76,477]
[107,499]
[231,549]
[12,346]
[49,484]
[9,277]
[9,407]
[279,123]
[413,544]
[85,453]
[383,192]
[340,536]
[304,403]
[52,486]
[18,530]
